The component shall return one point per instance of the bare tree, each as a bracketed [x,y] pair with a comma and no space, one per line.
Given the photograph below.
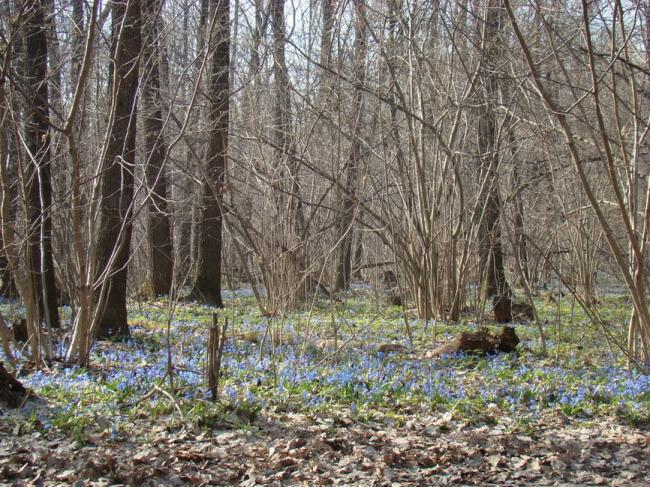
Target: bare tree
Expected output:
[38,176]
[207,286]
[595,94]
[489,237]
[159,231]
[346,219]
[114,233]
[16,247]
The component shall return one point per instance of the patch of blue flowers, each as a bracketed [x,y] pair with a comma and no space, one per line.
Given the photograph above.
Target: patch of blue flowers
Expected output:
[308,376]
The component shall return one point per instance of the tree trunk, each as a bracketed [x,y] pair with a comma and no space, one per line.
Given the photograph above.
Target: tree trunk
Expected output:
[328,8]
[7,285]
[12,392]
[159,232]
[38,180]
[207,286]
[496,285]
[521,247]
[77,38]
[114,234]
[290,285]
[346,220]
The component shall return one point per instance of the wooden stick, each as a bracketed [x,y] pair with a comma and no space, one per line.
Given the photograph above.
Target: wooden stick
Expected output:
[216,342]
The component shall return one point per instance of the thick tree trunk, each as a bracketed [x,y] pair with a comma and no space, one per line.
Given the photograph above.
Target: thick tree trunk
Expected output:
[159,232]
[38,182]
[207,286]
[114,234]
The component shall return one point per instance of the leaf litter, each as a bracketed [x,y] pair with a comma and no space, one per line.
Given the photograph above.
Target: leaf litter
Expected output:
[296,449]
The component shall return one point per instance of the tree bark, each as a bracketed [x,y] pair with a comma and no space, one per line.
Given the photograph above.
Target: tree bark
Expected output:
[346,220]
[292,285]
[38,180]
[207,286]
[159,231]
[114,234]
[496,285]
[12,392]
[77,38]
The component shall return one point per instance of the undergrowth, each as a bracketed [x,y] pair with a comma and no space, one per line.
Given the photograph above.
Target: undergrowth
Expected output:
[325,362]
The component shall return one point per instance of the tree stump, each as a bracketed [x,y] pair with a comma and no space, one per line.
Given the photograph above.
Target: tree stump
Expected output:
[480,342]
[12,392]
[502,306]
[19,328]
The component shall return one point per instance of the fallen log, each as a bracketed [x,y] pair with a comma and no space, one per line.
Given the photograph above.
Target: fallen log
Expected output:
[480,342]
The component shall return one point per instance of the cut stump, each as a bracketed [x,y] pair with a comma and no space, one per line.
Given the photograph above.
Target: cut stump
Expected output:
[12,392]
[480,342]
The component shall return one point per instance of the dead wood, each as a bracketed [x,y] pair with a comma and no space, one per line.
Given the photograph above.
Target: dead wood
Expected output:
[20,330]
[391,348]
[522,311]
[502,309]
[12,392]
[480,342]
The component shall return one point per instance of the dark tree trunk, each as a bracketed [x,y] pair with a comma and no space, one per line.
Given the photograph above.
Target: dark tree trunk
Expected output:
[207,286]
[12,392]
[7,285]
[496,285]
[38,174]
[159,232]
[346,220]
[114,233]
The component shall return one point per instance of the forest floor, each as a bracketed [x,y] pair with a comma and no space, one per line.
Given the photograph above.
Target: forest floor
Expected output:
[334,395]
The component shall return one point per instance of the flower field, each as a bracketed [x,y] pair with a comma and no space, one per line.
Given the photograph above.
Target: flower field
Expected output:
[327,366]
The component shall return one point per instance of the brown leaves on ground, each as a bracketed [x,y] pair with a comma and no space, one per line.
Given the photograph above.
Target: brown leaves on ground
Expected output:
[293,450]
